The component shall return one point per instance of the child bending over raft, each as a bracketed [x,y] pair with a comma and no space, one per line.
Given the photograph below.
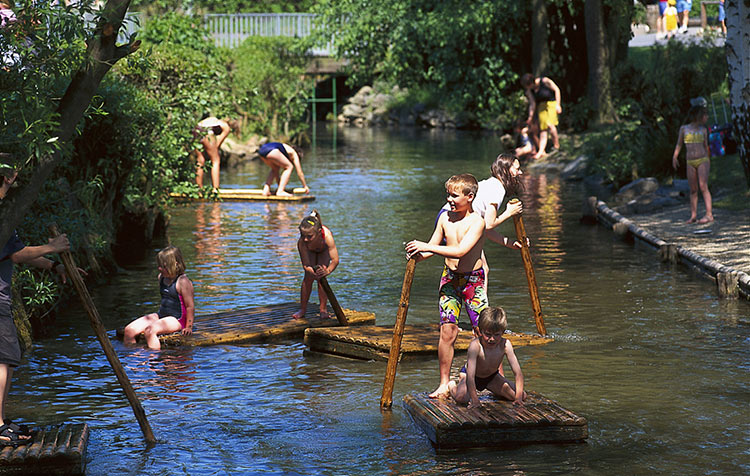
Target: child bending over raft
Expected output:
[279,156]
[463,274]
[319,257]
[484,358]
[177,310]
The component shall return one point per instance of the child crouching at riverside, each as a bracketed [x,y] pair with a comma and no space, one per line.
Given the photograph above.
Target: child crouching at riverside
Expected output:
[483,361]
[463,277]
[177,309]
[319,257]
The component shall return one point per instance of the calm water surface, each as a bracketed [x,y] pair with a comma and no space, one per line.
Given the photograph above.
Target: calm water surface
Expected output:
[658,366]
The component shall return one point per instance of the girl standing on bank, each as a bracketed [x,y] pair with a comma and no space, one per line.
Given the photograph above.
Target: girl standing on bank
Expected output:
[694,135]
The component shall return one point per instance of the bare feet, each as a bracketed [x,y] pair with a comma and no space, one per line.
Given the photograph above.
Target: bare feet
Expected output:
[324,315]
[441,392]
[705,220]
[299,314]
[692,220]
[283,193]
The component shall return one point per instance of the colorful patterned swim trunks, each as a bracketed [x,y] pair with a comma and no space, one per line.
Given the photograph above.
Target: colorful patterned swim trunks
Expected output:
[456,288]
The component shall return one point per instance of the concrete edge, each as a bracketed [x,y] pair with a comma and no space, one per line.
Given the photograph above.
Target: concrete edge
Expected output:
[668,252]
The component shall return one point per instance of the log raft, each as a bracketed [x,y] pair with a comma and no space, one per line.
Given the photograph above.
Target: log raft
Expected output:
[257,324]
[496,424]
[54,450]
[246,194]
[374,342]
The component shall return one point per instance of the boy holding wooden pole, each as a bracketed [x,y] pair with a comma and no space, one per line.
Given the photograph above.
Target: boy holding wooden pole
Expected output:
[463,278]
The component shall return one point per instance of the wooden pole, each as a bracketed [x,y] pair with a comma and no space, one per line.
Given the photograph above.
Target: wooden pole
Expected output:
[101,334]
[398,333]
[323,282]
[530,276]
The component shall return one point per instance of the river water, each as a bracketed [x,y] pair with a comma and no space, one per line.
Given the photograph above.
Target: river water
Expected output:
[646,352]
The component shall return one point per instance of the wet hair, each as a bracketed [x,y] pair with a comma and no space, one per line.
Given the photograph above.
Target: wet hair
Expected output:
[527,80]
[298,150]
[311,222]
[467,183]
[493,319]
[500,169]
[170,260]
[696,112]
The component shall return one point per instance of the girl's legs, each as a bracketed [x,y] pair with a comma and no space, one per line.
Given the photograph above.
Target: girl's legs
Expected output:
[199,171]
[553,136]
[165,325]
[304,295]
[692,176]
[273,176]
[323,259]
[542,144]
[211,147]
[702,174]
[277,159]
[133,329]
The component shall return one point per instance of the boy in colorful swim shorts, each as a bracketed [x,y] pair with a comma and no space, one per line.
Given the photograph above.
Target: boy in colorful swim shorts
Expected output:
[484,359]
[463,277]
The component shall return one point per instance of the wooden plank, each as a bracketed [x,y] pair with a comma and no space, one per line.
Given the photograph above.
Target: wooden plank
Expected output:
[374,342]
[246,194]
[257,324]
[497,423]
[55,450]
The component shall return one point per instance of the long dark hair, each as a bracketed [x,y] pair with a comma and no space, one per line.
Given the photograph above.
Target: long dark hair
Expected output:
[500,169]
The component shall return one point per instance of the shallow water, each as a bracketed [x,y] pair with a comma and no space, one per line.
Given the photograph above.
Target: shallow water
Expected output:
[646,352]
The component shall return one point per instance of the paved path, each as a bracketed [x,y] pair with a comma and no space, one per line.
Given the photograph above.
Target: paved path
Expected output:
[694,35]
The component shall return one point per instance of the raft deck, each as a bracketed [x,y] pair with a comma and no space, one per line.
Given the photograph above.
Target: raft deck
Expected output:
[247,194]
[54,450]
[374,342]
[496,424]
[257,324]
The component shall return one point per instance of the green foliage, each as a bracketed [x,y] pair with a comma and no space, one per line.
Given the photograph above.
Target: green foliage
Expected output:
[38,292]
[465,53]
[653,91]
[268,86]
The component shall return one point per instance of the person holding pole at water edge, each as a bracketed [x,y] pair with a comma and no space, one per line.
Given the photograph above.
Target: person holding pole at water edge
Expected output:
[281,156]
[15,252]
[211,132]
[483,359]
[177,309]
[544,104]
[462,279]
[319,257]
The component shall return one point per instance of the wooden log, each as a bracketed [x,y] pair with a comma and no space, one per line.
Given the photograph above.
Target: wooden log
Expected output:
[530,276]
[101,335]
[668,253]
[386,399]
[727,284]
[334,302]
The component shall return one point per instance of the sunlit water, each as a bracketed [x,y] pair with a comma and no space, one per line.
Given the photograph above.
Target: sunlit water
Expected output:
[647,353]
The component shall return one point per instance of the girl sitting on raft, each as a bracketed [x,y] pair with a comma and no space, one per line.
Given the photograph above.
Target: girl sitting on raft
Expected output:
[177,309]
[319,257]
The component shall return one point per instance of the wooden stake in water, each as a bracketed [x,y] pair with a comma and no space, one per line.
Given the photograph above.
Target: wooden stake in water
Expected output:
[530,276]
[323,282]
[101,334]
[386,400]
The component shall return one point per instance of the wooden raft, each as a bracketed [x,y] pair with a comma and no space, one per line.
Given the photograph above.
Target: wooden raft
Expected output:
[247,194]
[374,342]
[55,450]
[257,324]
[497,424]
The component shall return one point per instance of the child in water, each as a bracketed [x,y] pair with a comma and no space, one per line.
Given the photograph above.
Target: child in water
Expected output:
[484,358]
[698,157]
[177,310]
[319,257]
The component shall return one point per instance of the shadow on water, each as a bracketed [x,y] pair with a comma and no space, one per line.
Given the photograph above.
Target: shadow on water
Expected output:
[645,352]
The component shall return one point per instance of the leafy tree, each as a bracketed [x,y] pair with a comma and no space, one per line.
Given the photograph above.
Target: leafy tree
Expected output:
[738,60]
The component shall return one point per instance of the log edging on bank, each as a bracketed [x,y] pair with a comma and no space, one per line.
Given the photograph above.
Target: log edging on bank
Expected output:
[730,282]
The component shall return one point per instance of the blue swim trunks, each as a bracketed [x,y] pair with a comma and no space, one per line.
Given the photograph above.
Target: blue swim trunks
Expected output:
[684,5]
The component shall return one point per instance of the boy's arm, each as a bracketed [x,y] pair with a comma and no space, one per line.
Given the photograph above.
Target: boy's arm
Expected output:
[29,254]
[185,289]
[470,239]
[675,162]
[437,237]
[516,368]
[471,372]
[532,106]
[491,219]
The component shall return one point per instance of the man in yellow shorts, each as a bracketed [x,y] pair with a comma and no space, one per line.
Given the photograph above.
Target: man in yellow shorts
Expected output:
[544,101]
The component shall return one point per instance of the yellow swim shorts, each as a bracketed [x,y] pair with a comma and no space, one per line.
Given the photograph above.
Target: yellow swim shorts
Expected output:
[547,114]
[696,162]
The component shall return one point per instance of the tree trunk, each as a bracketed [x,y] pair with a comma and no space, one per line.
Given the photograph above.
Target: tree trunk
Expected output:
[738,62]
[539,38]
[598,55]
[102,54]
